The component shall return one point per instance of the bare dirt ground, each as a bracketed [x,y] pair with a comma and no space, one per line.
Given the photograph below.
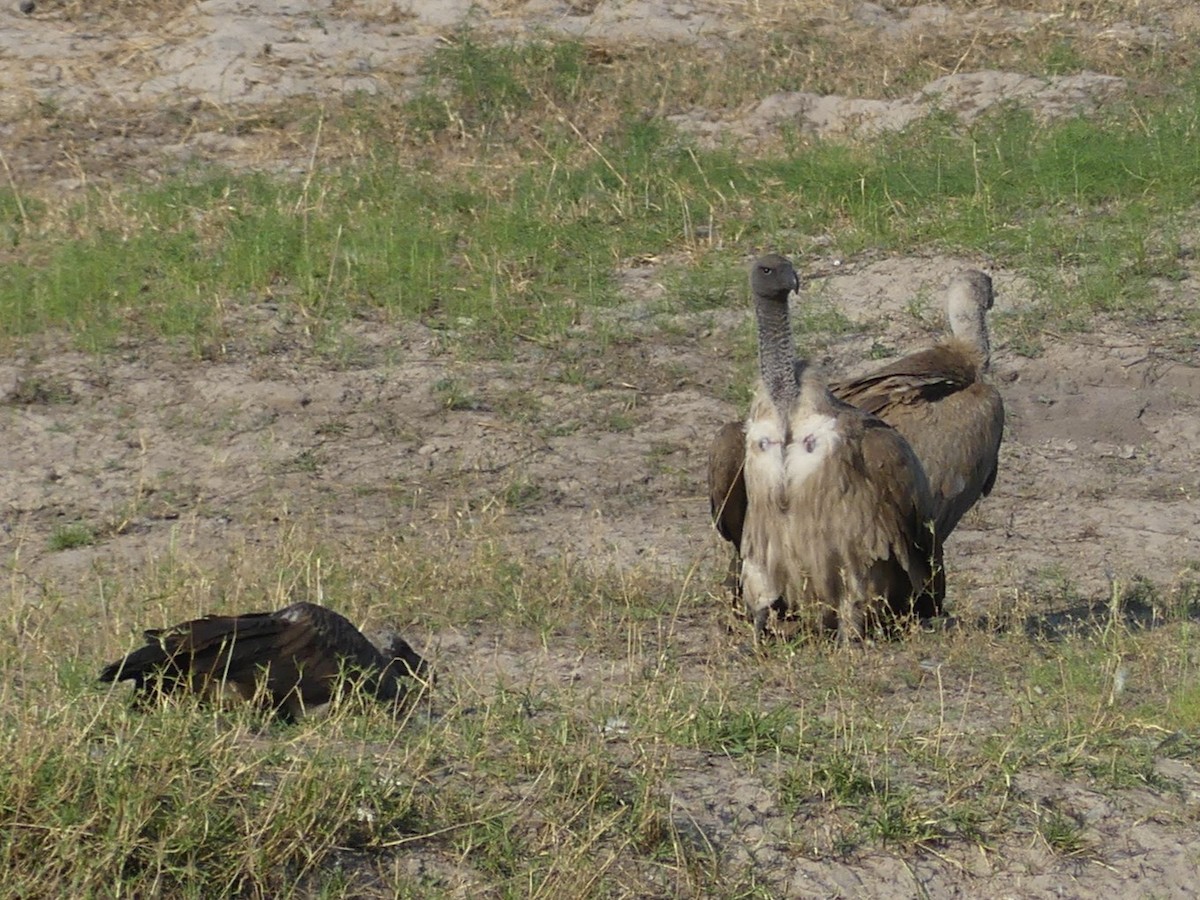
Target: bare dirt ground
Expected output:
[1098,476]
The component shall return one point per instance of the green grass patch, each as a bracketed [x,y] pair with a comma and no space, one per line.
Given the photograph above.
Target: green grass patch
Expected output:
[528,247]
[175,803]
[68,537]
[745,731]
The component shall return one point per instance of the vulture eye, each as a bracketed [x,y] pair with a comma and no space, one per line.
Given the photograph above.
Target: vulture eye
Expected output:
[766,270]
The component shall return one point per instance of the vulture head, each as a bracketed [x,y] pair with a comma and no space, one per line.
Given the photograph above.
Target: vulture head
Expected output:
[402,662]
[773,277]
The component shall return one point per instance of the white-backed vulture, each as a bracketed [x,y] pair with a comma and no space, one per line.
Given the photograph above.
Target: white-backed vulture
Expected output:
[290,660]
[939,401]
[838,514]
[937,398]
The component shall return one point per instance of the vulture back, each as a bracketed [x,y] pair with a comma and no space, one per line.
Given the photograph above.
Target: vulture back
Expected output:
[292,660]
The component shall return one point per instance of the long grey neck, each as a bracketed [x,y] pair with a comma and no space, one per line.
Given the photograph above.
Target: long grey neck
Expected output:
[970,327]
[776,350]
[967,303]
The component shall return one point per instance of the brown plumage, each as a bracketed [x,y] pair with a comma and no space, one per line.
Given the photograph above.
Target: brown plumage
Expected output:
[939,401]
[727,491]
[937,398]
[291,660]
[838,514]
[727,487]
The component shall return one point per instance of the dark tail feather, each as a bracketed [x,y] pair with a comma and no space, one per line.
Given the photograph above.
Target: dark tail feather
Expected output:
[136,665]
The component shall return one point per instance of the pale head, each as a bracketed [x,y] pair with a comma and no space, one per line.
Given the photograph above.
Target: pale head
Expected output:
[773,277]
[968,298]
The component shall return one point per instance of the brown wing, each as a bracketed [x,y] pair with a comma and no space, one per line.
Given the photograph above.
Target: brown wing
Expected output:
[904,520]
[726,482]
[335,645]
[951,418]
[958,440]
[923,377]
[194,654]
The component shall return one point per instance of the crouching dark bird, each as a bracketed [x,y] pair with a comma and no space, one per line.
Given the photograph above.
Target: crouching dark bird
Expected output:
[291,661]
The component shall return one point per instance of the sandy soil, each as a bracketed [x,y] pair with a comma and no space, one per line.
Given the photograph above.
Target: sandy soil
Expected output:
[1098,475]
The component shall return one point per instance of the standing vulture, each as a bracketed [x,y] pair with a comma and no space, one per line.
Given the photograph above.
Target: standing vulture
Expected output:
[838,511]
[936,398]
[291,660]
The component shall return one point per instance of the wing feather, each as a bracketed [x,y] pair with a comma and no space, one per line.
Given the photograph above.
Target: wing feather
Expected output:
[953,421]
[726,482]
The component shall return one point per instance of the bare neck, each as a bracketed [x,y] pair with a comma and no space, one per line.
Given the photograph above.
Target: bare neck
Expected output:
[776,350]
[967,304]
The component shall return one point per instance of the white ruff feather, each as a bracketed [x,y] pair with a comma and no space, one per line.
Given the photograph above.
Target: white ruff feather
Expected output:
[764,453]
[814,439]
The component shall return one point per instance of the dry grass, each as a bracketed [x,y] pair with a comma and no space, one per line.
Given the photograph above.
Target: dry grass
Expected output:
[586,734]
[782,47]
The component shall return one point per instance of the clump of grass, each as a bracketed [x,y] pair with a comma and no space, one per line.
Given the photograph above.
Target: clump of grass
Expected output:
[842,779]
[71,536]
[39,390]
[1062,834]
[475,87]
[897,819]
[453,395]
[308,461]
[522,494]
[745,732]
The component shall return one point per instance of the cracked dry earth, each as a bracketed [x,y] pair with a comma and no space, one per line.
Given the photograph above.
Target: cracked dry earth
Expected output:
[1098,476]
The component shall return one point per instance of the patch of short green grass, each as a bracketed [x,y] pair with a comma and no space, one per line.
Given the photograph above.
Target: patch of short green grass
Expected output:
[454,395]
[71,536]
[1063,834]
[745,731]
[490,251]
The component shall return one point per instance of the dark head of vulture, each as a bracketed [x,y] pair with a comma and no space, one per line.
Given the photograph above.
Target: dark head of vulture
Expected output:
[838,507]
[938,399]
[291,660]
